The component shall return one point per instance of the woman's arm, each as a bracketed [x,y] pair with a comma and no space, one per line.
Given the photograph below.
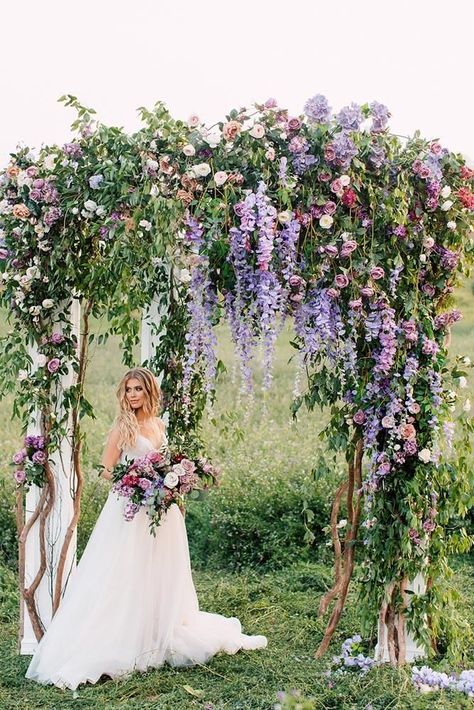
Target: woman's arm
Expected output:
[111,454]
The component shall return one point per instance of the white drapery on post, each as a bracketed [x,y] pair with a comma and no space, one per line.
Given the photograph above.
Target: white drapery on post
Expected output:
[57,521]
[413,649]
[150,337]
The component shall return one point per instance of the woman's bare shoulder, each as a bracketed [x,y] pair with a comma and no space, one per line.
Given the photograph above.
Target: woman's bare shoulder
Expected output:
[160,423]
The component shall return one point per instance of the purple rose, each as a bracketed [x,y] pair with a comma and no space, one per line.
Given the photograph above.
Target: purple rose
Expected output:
[296,281]
[54,364]
[20,456]
[38,183]
[348,247]
[39,457]
[367,291]
[73,150]
[355,304]
[20,476]
[341,280]
[329,207]
[36,195]
[57,338]
[331,250]
[32,171]
[3,253]
[332,292]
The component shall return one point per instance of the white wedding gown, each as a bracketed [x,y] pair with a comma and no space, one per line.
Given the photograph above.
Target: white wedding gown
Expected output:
[131,603]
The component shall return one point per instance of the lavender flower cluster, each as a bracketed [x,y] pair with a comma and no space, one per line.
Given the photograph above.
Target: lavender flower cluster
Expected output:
[426,679]
[351,658]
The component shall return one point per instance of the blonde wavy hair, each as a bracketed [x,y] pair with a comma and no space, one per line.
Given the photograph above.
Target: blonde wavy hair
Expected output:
[126,420]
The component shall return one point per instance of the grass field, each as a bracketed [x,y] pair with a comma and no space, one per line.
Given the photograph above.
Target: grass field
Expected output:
[272,583]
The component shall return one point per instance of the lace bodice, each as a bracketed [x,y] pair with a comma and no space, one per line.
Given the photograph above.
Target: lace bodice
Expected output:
[143,446]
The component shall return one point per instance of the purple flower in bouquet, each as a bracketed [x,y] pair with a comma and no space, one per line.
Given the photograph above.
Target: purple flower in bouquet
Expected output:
[344,150]
[20,476]
[39,457]
[36,195]
[52,216]
[348,247]
[53,365]
[303,162]
[317,109]
[72,150]
[377,155]
[380,115]
[95,181]
[298,144]
[430,347]
[19,457]
[35,442]
[445,320]
[57,338]
[448,259]
[350,117]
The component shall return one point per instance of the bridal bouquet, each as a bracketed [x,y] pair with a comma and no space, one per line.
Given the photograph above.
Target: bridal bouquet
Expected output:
[156,480]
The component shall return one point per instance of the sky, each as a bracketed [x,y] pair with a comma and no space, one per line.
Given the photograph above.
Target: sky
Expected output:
[209,56]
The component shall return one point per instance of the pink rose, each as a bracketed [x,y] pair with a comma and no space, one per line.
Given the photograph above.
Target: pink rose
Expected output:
[333,292]
[341,280]
[231,130]
[54,364]
[329,207]
[355,304]
[348,247]
[20,476]
[377,273]
[359,417]
[407,432]
[294,124]
[367,291]
[336,186]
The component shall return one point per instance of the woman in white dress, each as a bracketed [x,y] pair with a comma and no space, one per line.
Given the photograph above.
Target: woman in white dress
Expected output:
[131,602]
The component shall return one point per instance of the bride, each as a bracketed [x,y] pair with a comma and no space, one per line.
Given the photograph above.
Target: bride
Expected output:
[131,602]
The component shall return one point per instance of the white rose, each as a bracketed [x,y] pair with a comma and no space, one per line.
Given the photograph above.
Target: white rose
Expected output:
[152,164]
[270,154]
[49,162]
[185,276]
[284,217]
[100,211]
[345,236]
[213,138]
[171,479]
[220,177]
[193,121]
[34,310]
[424,455]
[445,192]
[258,131]
[154,191]
[23,179]
[423,258]
[326,221]
[22,375]
[202,169]
[344,180]
[428,242]
[75,210]
[451,225]
[447,205]
[90,205]
[25,281]
[33,272]
[189,150]
[41,360]
[179,470]
[462,382]
[145,224]
[47,303]
[467,405]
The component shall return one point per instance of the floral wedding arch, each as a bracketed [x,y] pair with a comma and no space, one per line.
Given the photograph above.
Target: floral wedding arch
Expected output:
[329,219]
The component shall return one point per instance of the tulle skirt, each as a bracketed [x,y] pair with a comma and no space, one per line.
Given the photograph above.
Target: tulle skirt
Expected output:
[131,605]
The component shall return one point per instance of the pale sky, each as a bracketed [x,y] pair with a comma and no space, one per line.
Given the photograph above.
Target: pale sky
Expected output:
[209,56]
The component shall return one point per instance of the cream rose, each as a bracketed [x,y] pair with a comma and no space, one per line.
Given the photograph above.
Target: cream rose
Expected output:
[326,221]
[257,131]
[189,150]
[202,169]
[424,455]
[171,479]
[220,177]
